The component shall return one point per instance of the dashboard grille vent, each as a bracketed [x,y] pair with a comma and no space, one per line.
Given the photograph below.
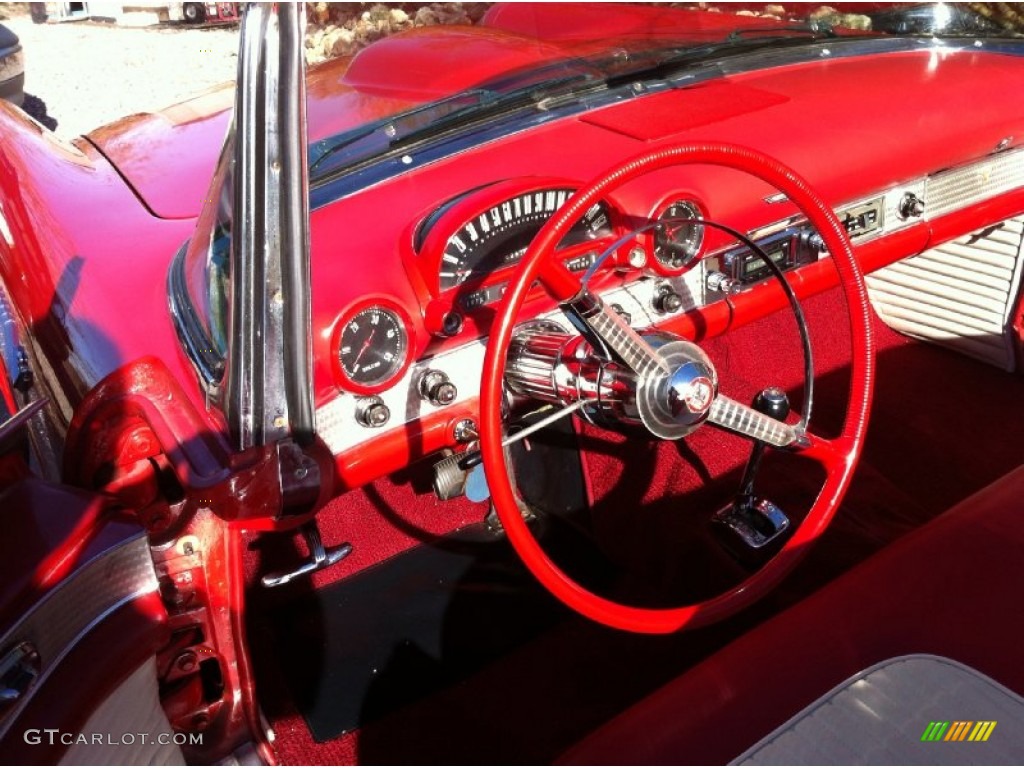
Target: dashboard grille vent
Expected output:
[959,295]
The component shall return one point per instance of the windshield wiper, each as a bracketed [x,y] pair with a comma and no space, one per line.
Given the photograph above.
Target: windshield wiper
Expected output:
[817,29]
[686,60]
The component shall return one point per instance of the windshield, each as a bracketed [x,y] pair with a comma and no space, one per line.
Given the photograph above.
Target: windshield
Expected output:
[388,104]
[198,282]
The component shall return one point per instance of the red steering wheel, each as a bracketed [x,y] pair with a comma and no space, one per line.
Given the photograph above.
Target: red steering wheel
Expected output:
[838,456]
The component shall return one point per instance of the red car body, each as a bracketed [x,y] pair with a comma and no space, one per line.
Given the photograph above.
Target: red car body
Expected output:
[129,454]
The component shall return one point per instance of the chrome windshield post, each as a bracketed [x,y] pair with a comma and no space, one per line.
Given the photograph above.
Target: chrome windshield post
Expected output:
[267,393]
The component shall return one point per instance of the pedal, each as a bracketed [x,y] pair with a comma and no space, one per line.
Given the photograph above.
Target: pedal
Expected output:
[748,530]
[320,558]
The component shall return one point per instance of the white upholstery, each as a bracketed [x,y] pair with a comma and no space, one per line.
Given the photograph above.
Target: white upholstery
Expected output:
[878,717]
[133,708]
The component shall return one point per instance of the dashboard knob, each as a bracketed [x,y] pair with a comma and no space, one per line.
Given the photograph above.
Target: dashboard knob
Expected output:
[436,388]
[371,412]
[816,242]
[722,283]
[911,206]
[466,431]
[666,300]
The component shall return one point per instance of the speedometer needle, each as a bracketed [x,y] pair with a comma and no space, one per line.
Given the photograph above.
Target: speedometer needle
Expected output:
[366,345]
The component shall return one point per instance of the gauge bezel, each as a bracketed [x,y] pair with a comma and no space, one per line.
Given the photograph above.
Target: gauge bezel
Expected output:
[455,214]
[342,380]
[660,210]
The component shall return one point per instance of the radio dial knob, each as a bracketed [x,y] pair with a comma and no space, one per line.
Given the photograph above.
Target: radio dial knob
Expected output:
[722,283]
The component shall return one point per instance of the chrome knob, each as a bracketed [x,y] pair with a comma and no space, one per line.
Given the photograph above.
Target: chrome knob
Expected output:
[437,389]
[666,300]
[773,402]
[371,412]
[722,283]
[911,206]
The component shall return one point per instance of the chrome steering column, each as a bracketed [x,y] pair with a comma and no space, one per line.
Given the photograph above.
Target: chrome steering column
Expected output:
[545,363]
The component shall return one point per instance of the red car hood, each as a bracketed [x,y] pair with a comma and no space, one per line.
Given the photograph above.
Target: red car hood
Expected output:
[168,157]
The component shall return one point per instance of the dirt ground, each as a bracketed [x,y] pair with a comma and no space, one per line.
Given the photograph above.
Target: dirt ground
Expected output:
[80,75]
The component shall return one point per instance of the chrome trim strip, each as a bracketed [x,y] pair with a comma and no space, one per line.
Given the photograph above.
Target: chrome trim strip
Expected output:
[961,187]
[66,614]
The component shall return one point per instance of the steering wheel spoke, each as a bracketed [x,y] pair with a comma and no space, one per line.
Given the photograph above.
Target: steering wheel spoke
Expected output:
[744,420]
[614,333]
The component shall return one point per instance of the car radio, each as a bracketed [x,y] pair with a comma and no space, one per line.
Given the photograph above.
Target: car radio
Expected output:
[737,268]
[747,266]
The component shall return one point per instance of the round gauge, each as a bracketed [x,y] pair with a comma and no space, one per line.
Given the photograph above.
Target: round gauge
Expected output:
[500,235]
[372,348]
[677,241]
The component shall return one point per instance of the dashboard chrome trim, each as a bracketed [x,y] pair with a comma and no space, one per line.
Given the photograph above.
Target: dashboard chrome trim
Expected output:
[337,423]
[967,185]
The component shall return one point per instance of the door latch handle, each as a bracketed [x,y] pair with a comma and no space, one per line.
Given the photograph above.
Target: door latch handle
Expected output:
[319,558]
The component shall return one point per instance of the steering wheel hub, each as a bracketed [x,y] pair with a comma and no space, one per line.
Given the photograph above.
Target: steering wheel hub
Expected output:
[690,391]
[672,405]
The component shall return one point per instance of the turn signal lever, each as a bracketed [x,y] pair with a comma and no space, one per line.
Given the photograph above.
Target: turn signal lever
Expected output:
[750,522]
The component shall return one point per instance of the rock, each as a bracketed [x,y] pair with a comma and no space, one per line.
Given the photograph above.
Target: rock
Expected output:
[824,12]
[339,42]
[854,21]
[320,13]
[425,17]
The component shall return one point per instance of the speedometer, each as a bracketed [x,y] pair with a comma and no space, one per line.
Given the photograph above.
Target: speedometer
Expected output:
[499,235]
